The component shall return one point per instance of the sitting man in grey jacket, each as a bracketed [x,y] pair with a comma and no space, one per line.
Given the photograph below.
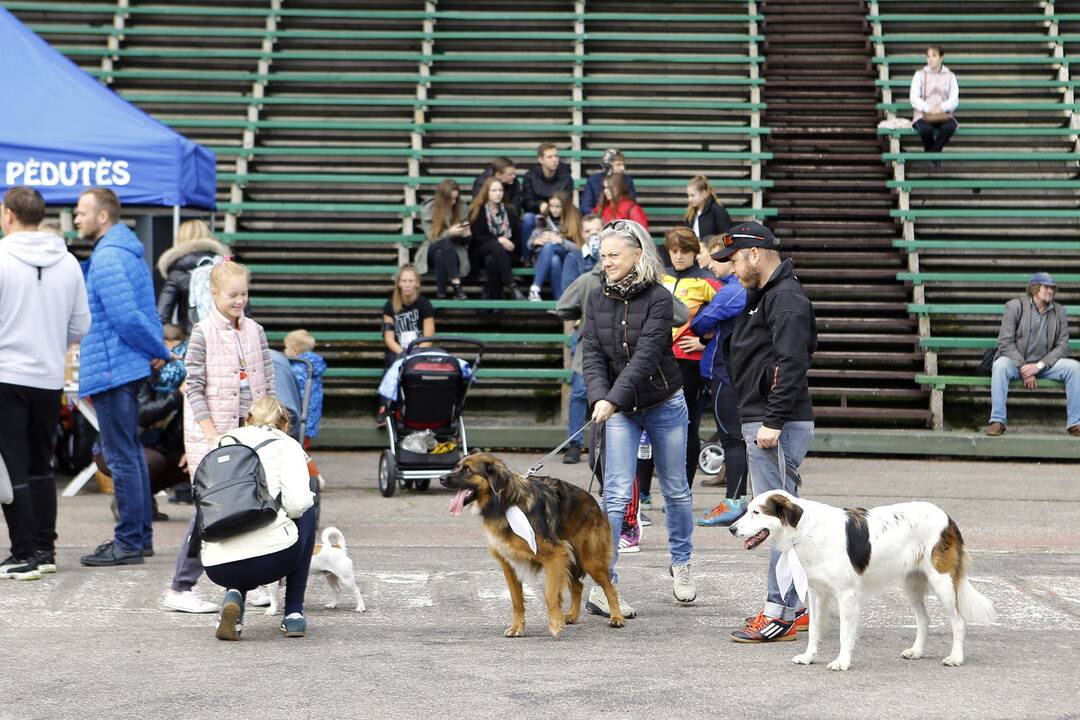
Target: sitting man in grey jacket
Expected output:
[1034,343]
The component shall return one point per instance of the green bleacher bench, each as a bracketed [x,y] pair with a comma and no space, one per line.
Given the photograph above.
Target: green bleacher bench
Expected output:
[407,126]
[1003,278]
[484,373]
[957,38]
[1008,245]
[980,212]
[524,152]
[377,303]
[1012,83]
[984,131]
[958,18]
[364,179]
[969,343]
[987,105]
[494,338]
[317,207]
[954,60]
[940,382]
[958,308]
[985,184]
[320,237]
[1032,156]
[343,269]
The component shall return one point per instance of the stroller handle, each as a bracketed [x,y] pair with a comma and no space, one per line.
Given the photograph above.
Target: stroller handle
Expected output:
[435,339]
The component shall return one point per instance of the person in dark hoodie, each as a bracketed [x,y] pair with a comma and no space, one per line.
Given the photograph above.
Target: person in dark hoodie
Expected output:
[770,351]
[43,309]
[540,183]
[503,170]
[194,243]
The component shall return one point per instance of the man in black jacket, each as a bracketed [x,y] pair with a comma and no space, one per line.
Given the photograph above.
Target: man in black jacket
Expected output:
[770,351]
[503,170]
[539,184]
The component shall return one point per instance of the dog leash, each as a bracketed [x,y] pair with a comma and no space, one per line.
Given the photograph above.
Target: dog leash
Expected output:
[543,461]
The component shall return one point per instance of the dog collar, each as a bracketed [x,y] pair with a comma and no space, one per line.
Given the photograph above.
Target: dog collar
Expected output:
[521,526]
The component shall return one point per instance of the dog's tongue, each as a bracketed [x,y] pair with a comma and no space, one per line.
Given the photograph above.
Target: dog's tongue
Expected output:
[458,503]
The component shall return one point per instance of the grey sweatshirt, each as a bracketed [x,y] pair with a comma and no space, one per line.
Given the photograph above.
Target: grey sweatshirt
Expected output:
[43,309]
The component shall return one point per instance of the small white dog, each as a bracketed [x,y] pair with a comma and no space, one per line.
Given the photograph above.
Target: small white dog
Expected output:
[849,553]
[331,560]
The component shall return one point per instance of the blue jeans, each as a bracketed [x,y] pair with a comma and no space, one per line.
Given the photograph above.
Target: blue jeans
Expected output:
[1065,370]
[666,424]
[118,420]
[765,475]
[528,222]
[549,264]
[579,407]
[574,265]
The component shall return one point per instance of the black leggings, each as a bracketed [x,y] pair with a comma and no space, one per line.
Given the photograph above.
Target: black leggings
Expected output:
[496,262]
[443,256]
[27,423]
[692,386]
[725,409]
[292,563]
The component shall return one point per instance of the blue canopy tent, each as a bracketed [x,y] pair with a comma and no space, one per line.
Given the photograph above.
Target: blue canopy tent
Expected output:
[62,132]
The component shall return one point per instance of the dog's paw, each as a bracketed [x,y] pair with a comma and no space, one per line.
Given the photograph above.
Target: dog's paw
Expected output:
[515,631]
[617,622]
[270,611]
[361,608]
[803,659]
[332,605]
[555,628]
[911,654]
[839,664]
[953,661]
[571,619]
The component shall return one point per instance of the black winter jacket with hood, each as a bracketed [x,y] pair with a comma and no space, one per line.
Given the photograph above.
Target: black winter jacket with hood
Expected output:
[537,189]
[175,265]
[774,339]
[627,355]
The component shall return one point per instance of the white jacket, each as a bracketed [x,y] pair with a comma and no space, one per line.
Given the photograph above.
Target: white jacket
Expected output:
[43,309]
[285,464]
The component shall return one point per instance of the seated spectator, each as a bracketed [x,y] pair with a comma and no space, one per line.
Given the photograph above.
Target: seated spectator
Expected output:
[300,344]
[613,163]
[407,316]
[935,95]
[503,170]
[194,243]
[704,213]
[281,549]
[496,240]
[1034,343]
[557,234]
[617,204]
[576,264]
[541,182]
[446,239]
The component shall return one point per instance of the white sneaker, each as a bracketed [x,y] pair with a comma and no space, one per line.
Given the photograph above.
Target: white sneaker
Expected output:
[258,597]
[534,294]
[683,587]
[643,519]
[188,601]
[598,604]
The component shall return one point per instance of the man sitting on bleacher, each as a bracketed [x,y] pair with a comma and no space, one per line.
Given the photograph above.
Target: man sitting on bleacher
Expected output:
[1033,343]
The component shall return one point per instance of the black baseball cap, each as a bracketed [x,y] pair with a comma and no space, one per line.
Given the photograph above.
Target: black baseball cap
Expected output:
[745,235]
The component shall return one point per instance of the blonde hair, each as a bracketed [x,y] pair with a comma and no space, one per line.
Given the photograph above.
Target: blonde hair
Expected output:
[648,267]
[396,301]
[701,184]
[300,340]
[193,230]
[225,270]
[268,411]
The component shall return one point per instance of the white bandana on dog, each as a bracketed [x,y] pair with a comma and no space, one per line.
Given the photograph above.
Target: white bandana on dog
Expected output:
[789,571]
[524,530]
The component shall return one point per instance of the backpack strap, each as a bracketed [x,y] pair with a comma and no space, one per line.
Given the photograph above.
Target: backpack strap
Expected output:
[263,444]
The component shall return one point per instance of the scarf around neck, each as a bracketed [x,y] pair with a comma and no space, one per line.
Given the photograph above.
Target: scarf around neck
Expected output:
[497,220]
[623,289]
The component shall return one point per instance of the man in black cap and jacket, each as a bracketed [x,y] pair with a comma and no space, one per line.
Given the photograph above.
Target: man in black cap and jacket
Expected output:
[770,351]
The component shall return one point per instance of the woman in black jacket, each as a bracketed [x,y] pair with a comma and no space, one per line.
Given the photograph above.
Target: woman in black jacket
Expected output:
[704,213]
[633,379]
[194,243]
[496,240]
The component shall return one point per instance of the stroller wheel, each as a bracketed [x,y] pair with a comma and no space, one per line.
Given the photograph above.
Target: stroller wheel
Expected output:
[423,485]
[405,483]
[711,458]
[388,473]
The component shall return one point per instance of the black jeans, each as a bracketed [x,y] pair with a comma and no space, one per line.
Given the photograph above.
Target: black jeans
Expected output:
[28,418]
[496,261]
[725,409]
[692,386]
[444,257]
[935,136]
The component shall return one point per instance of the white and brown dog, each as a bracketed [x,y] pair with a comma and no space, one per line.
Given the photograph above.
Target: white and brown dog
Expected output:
[847,554]
[332,561]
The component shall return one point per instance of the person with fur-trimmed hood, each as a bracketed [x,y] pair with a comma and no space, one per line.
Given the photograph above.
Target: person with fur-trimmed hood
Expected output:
[194,243]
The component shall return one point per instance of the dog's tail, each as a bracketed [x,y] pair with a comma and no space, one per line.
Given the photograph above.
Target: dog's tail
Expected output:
[974,607]
[333,537]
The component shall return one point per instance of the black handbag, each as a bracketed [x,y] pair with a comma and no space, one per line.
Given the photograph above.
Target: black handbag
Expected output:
[986,365]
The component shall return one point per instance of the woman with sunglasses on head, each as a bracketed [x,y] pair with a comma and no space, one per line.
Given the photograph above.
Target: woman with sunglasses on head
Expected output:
[636,385]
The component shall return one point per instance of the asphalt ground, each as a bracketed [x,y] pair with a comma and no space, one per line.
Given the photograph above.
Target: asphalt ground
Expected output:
[94,643]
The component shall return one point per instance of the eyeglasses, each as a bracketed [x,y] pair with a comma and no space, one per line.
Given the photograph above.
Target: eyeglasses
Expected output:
[626,227]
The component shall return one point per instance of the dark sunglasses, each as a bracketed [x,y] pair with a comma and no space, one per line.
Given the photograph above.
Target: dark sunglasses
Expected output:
[623,226]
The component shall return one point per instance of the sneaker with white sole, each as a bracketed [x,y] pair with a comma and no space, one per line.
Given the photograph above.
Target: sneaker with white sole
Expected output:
[231,621]
[534,294]
[683,587]
[630,539]
[598,604]
[259,597]
[46,561]
[16,569]
[643,519]
[187,601]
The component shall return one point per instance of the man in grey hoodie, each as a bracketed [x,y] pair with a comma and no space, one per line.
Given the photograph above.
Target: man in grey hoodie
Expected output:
[43,310]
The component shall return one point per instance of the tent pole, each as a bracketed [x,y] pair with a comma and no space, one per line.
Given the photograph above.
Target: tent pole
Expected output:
[175,222]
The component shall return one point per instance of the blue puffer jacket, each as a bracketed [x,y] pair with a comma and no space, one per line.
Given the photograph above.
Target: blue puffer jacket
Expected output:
[125,332]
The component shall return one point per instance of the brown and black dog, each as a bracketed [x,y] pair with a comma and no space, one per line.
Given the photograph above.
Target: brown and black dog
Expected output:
[573,536]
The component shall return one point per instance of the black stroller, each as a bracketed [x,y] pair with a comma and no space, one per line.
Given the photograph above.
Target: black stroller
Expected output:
[430,396]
